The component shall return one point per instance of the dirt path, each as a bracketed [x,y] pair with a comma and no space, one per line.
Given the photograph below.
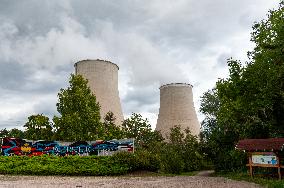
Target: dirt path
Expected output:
[119,182]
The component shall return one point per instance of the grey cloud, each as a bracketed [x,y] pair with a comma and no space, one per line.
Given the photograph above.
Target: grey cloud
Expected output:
[13,75]
[10,124]
[142,58]
[222,59]
[34,17]
[46,107]
[153,42]
[141,98]
[16,77]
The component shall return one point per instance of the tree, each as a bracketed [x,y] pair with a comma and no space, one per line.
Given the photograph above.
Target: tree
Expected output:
[38,127]
[16,133]
[110,130]
[250,102]
[268,62]
[79,112]
[181,152]
[109,118]
[4,133]
[140,129]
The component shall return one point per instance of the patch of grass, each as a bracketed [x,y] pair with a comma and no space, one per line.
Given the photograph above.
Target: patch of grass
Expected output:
[244,176]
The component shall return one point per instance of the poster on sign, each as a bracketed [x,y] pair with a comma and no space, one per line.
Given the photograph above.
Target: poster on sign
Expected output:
[269,158]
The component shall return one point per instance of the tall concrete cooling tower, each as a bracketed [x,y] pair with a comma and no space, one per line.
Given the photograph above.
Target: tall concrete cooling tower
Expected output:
[177,108]
[102,78]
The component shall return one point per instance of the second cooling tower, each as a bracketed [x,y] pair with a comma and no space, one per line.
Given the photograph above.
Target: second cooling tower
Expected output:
[177,108]
[102,79]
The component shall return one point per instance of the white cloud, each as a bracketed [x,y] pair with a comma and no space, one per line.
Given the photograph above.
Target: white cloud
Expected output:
[153,42]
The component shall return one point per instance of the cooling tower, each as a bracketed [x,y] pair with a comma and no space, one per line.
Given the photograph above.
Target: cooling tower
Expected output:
[177,108]
[102,78]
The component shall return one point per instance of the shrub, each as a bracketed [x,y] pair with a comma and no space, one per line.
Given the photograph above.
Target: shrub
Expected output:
[118,164]
[180,153]
[126,158]
[140,160]
[171,160]
[231,160]
[54,165]
[147,160]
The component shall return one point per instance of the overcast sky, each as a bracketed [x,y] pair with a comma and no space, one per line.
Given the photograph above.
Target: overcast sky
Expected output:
[154,42]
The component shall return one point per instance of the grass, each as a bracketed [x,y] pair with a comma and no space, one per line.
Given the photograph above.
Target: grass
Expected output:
[264,181]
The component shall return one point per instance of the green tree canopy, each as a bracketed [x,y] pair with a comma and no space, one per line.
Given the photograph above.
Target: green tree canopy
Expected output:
[181,152]
[110,130]
[4,133]
[140,129]
[79,112]
[250,102]
[38,127]
[17,133]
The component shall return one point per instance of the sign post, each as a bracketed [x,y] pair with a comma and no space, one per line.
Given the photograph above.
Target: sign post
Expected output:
[264,159]
[263,153]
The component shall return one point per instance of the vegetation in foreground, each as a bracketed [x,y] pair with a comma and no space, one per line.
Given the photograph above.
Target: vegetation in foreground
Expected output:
[119,164]
[244,176]
[177,156]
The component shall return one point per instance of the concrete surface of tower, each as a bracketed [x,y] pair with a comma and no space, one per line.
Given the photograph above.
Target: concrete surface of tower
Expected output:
[177,108]
[102,78]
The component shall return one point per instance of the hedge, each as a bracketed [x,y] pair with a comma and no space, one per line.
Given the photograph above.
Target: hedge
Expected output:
[117,164]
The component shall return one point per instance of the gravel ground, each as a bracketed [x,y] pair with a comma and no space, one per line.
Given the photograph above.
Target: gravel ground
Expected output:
[109,182]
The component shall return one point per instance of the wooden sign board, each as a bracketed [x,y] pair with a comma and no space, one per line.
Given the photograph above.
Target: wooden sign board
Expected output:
[264,159]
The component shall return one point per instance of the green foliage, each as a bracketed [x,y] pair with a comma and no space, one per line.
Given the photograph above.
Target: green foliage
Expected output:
[268,35]
[120,163]
[140,129]
[38,127]
[140,160]
[250,102]
[110,130]
[244,176]
[109,118]
[267,64]
[210,104]
[80,112]
[4,133]
[12,133]
[181,153]
[126,158]
[147,160]
[19,133]
[79,117]
[54,165]
[172,161]
[231,160]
